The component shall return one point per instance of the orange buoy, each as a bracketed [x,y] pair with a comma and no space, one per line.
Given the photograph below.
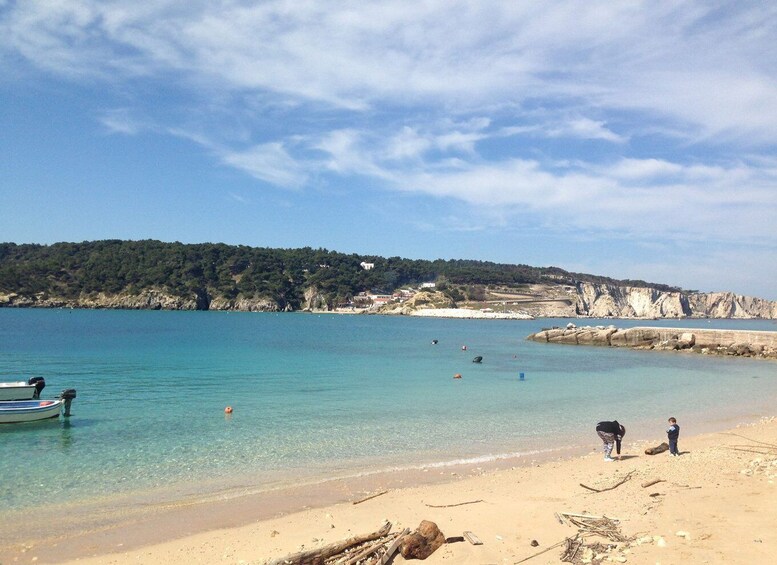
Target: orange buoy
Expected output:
[228,410]
[457,376]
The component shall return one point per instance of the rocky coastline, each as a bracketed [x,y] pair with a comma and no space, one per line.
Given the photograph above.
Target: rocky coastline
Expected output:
[581,300]
[738,343]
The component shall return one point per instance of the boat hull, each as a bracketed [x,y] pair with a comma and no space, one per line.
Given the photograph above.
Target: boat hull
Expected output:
[13,412]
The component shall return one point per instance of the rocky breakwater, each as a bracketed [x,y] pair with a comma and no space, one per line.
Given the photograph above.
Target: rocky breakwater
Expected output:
[742,343]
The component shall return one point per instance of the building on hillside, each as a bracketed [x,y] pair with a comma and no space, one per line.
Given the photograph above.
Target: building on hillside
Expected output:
[428,285]
[367,266]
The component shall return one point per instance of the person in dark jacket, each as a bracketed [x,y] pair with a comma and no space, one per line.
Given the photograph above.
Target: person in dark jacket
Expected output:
[610,433]
[672,433]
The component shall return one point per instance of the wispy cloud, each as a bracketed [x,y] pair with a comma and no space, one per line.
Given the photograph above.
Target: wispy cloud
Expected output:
[120,120]
[268,162]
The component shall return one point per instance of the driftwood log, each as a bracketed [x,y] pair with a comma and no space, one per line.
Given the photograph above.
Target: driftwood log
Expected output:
[319,555]
[658,449]
[421,543]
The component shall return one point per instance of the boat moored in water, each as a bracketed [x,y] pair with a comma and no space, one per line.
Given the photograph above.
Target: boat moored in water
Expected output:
[17,411]
[22,390]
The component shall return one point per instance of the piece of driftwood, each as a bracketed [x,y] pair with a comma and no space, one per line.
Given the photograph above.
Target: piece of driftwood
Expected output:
[366,498]
[368,550]
[658,449]
[651,483]
[616,485]
[319,554]
[392,549]
[452,505]
[422,542]
[472,538]
[454,539]
[559,518]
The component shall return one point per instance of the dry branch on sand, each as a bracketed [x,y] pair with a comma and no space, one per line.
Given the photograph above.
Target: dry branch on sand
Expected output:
[452,505]
[616,485]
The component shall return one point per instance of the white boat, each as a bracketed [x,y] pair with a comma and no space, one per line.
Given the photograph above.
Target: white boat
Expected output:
[21,390]
[16,411]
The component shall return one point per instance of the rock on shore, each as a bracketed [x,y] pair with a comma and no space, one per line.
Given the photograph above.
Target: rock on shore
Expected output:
[706,341]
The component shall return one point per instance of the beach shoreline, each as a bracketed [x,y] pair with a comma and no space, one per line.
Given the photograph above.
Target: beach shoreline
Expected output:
[517,502]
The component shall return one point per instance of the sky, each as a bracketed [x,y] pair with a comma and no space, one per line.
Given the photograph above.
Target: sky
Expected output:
[628,139]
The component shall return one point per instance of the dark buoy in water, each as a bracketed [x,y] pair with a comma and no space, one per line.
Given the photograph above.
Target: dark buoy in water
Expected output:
[463,347]
[434,342]
[521,377]
[477,359]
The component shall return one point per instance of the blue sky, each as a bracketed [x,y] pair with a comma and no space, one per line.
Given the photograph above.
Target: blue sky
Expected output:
[628,139]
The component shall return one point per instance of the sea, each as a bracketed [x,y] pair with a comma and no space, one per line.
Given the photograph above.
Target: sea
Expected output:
[322,396]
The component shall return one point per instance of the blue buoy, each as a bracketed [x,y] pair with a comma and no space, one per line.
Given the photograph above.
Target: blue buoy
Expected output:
[522,377]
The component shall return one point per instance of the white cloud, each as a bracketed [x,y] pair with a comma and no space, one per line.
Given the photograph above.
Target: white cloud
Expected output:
[121,121]
[268,162]
[585,128]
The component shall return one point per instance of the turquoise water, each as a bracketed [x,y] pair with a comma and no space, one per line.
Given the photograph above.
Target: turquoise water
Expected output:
[317,396]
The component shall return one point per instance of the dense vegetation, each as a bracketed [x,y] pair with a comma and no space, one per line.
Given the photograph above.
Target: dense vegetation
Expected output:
[72,270]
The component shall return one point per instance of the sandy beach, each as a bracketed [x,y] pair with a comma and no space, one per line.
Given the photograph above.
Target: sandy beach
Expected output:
[715,503]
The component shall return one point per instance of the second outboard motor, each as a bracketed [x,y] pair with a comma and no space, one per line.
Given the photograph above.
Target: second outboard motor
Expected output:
[477,359]
[40,384]
[68,395]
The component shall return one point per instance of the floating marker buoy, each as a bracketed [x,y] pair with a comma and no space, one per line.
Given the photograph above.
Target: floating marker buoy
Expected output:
[457,376]
[463,347]
[434,342]
[521,376]
[228,410]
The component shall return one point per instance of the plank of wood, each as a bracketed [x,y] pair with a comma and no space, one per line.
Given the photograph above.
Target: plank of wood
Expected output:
[472,538]
[651,483]
[392,549]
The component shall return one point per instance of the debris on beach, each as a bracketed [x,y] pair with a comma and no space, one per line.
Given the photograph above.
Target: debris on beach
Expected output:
[423,542]
[609,541]
[627,477]
[375,548]
[658,449]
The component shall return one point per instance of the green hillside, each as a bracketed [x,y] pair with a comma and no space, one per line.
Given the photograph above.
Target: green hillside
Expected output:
[70,271]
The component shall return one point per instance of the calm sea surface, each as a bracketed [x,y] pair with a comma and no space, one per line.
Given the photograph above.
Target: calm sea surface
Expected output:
[318,396]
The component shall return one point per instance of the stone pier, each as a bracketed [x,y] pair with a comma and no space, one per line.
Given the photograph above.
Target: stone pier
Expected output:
[745,343]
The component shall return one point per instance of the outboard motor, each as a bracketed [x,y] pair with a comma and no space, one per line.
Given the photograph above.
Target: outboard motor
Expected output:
[40,384]
[68,395]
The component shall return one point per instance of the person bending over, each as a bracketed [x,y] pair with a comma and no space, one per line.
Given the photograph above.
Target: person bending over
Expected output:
[611,433]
